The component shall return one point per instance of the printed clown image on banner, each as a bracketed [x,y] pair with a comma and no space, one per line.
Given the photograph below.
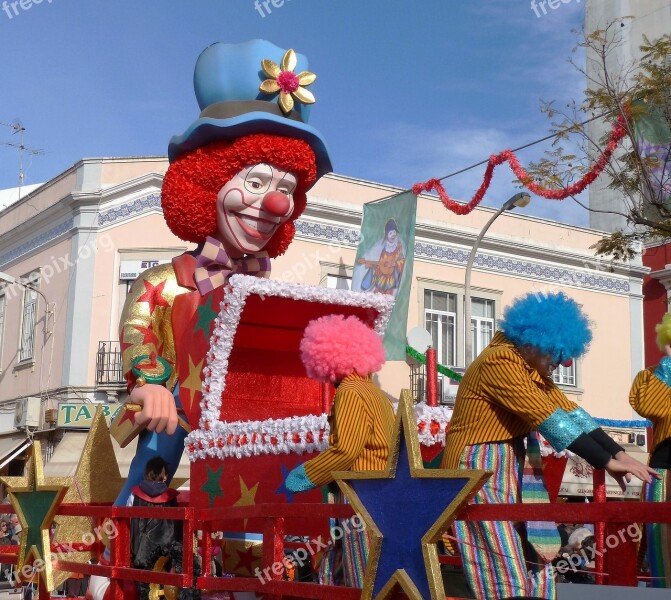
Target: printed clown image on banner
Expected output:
[384,262]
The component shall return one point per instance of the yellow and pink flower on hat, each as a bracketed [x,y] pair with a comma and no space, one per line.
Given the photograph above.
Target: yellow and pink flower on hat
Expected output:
[282,79]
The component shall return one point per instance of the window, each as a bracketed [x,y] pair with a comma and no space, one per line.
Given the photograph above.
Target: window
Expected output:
[28,319]
[565,375]
[440,315]
[482,324]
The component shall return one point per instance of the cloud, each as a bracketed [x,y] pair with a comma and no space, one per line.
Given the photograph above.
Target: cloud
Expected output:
[409,154]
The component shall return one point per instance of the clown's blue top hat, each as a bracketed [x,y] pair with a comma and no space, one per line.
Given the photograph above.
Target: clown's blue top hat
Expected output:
[226,80]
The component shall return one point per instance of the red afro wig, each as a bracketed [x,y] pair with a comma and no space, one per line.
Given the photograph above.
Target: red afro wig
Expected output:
[336,346]
[192,182]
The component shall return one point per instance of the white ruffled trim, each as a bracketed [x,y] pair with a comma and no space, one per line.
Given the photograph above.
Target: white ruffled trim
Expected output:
[240,439]
[432,417]
[225,325]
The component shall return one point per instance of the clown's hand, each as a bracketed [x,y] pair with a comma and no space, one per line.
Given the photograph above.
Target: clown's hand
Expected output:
[298,481]
[158,408]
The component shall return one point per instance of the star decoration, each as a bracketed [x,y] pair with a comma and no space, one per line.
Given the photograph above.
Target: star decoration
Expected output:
[148,334]
[247,560]
[406,508]
[212,486]
[35,501]
[283,488]
[192,383]
[282,79]
[205,317]
[96,480]
[247,495]
[153,295]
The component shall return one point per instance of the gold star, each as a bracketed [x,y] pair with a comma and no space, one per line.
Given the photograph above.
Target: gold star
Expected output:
[404,500]
[96,480]
[35,501]
[247,495]
[192,383]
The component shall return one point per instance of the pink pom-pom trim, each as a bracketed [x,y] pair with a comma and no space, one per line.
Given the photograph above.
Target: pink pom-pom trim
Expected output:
[336,346]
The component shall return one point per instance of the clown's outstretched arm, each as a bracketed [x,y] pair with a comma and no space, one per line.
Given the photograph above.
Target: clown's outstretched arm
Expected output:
[352,427]
[148,347]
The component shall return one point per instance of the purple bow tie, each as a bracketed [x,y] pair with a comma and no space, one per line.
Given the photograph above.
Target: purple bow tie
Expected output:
[214,266]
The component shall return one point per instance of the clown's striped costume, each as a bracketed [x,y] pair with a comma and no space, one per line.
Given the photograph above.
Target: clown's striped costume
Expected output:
[650,397]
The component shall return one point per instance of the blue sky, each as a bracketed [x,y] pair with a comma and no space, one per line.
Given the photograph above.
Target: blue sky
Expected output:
[406,90]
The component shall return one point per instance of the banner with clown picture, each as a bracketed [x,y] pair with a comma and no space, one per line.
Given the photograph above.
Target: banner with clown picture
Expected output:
[653,137]
[384,262]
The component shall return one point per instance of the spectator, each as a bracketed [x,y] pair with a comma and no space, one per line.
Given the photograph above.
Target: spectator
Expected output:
[152,537]
[15,526]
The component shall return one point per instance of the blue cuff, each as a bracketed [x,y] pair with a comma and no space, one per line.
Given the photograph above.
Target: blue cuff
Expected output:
[583,420]
[298,481]
[663,370]
[560,430]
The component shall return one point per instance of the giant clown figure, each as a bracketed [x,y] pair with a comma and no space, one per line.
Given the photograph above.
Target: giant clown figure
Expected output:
[236,183]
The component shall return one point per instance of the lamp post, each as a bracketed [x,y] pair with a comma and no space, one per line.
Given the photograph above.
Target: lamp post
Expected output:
[520,200]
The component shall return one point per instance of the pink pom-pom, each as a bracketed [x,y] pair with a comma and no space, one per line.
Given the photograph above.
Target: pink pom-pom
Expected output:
[336,346]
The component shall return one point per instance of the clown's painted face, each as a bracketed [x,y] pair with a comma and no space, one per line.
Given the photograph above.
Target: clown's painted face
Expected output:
[252,206]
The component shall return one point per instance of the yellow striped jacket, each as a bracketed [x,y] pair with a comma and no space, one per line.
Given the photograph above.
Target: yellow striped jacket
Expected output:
[651,398]
[361,421]
[500,398]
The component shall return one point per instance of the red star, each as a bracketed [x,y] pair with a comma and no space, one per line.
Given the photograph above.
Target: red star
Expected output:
[124,344]
[246,561]
[128,415]
[148,334]
[153,295]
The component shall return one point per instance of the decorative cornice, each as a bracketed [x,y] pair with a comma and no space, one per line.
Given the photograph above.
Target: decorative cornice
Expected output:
[144,204]
[40,240]
[442,253]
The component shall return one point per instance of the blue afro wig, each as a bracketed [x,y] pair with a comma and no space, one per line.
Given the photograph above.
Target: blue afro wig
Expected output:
[552,323]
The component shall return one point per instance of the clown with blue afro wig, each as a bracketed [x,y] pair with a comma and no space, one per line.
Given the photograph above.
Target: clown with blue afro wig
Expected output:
[551,323]
[505,399]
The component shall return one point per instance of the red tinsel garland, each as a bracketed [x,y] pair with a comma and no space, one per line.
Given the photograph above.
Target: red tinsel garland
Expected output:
[618,131]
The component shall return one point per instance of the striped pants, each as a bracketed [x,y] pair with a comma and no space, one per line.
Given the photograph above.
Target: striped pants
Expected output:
[498,561]
[658,535]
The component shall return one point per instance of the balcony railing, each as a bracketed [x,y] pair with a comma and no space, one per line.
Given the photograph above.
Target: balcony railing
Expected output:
[109,370]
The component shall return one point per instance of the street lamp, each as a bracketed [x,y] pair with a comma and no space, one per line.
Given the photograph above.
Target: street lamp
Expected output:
[520,200]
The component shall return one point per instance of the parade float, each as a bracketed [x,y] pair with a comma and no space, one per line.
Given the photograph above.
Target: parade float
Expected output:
[226,341]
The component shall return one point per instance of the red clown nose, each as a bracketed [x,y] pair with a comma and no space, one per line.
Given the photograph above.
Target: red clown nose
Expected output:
[276,203]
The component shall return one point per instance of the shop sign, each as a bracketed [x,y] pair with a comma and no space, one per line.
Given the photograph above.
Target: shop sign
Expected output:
[130,269]
[73,415]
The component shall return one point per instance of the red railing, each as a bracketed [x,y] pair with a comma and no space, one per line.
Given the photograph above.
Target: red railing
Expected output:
[616,563]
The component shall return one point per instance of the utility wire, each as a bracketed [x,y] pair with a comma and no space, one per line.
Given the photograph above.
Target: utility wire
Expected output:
[484,162]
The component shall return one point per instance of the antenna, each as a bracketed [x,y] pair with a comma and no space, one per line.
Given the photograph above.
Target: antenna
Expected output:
[17,127]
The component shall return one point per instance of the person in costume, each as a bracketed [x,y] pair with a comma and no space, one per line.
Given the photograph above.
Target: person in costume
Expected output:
[345,352]
[381,270]
[237,181]
[149,538]
[505,397]
[650,397]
